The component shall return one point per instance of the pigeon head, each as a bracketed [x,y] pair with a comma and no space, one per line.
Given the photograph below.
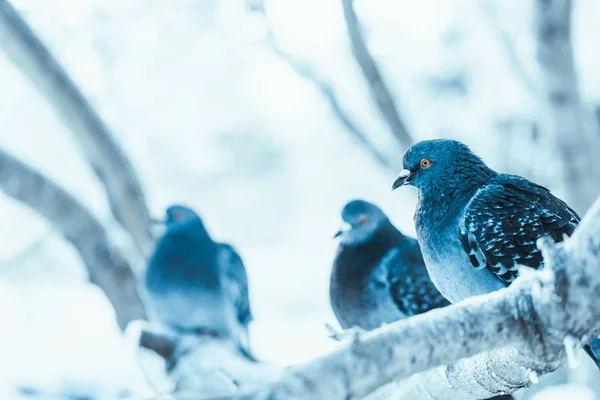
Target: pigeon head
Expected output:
[361,220]
[180,219]
[178,214]
[437,165]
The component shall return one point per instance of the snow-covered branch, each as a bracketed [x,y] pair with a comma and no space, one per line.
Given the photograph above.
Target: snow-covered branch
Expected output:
[109,162]
[379,91]
[105,264]
[202,366]
[523,331]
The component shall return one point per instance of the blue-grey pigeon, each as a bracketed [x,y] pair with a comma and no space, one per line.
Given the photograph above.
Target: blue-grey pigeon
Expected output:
[196,285]
[378,274]
[475,226]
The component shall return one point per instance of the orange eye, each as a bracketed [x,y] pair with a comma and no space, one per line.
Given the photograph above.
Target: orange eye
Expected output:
[425,163]
[362,220]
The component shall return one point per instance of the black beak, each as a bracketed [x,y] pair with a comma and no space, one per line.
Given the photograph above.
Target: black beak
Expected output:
[344,228]
[402,179]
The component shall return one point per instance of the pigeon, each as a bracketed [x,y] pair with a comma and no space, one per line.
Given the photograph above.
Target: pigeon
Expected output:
[195,285]
[378,274]
[476,226]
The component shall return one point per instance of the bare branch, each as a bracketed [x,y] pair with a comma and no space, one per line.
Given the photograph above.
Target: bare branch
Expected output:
[106,266]
[306,71]
[563,122]
[101,150]
[379,91]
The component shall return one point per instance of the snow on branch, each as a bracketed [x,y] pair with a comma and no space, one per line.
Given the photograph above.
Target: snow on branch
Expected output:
[377,87]
[101,150]
[491,344]
[106,266]
[201,365]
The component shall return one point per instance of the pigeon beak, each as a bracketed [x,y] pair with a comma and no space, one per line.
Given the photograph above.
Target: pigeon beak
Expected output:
[402,179]
[156,221]
[343,229]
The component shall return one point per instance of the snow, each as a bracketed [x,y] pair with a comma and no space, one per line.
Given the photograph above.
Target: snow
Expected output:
[212,118]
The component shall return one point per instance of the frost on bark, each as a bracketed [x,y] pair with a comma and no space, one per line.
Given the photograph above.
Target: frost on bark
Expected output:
[20,43]
[105,264]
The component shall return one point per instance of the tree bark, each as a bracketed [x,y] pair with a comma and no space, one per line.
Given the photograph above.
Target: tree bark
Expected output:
[379,91]
[100,148]
[105,264]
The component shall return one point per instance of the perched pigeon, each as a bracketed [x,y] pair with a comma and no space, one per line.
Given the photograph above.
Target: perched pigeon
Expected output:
[378,274]
[475,226]
[194,284]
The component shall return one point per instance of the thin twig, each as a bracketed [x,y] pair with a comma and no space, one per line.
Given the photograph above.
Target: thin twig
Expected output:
[306,71]
[377,87]
[22,254]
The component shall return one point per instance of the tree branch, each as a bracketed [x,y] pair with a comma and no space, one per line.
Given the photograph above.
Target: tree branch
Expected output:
[101,150]
[379,91]
[106,266]
[202,366]
[306,71]
[527,325]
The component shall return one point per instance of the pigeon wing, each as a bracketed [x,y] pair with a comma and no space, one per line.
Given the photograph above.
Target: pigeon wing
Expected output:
[236,282]
[504,219]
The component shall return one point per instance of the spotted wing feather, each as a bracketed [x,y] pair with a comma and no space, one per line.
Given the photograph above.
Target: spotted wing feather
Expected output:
[503,221]
[409,283]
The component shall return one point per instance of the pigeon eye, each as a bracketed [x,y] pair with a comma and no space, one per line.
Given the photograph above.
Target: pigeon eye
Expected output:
[425,162]
[362,220]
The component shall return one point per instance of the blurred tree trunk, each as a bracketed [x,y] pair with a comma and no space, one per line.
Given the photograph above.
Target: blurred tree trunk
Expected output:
[564,125]
[100,148]
[105,264]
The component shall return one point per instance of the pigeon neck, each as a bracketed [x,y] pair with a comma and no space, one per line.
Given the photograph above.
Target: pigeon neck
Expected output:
[440,201]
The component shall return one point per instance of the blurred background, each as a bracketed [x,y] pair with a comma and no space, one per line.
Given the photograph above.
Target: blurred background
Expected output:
[267,117]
